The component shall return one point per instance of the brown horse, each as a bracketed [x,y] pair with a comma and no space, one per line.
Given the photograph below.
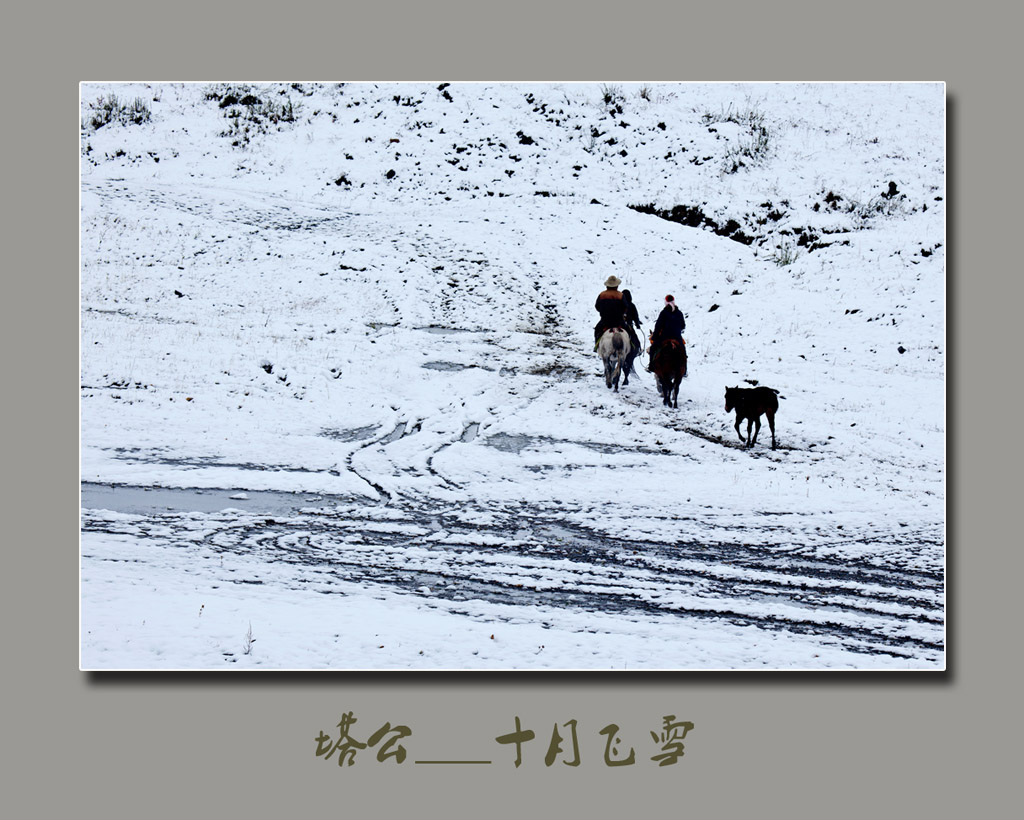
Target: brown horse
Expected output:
[669,367]
[750,403]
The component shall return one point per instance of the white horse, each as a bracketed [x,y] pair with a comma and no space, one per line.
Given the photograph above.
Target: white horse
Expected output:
[614,350]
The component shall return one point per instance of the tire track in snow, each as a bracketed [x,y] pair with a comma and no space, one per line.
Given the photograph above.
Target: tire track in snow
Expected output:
[525,557]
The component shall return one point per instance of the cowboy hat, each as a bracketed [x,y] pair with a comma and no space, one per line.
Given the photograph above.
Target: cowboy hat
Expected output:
[612,281]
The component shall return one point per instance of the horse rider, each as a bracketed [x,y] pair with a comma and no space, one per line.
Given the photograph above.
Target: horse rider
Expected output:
[670,325]
[632,320]
[611,306]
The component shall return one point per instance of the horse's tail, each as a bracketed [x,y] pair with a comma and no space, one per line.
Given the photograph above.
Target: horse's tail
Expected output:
[617,343]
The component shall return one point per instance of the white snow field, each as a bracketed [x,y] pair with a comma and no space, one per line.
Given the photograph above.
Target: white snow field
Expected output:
[340,407]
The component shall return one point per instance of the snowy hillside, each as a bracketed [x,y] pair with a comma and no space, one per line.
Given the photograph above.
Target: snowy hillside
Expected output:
[340,406]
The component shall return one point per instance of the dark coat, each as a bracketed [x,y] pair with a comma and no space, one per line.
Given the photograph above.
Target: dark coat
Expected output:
[632,317]
[670,325]
[612,308]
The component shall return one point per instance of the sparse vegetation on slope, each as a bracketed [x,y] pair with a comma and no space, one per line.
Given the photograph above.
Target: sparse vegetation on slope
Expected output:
[111,109]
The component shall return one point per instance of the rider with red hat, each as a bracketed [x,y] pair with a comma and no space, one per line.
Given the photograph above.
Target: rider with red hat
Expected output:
[669,326]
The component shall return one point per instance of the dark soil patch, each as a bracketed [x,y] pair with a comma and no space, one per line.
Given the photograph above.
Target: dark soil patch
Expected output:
[694,217]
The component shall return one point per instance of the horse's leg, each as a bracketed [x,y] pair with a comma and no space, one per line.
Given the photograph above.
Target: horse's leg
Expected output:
[750,425]
[739,421]
[675,392]
[771,425]
[757,428]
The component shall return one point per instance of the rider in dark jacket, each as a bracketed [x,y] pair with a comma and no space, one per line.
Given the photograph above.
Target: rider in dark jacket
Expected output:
[612,308]
[670,325]
[632,319]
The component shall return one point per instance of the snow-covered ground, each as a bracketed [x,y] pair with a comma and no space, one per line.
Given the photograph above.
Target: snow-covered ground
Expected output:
[340,407]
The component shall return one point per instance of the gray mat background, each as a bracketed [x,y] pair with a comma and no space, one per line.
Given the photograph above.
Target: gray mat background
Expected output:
[778,745]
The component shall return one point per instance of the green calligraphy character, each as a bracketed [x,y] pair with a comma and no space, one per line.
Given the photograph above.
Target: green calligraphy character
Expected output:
[671,740]
[384,753]
[346,745]
[519,737]
[556,746]
[610,751]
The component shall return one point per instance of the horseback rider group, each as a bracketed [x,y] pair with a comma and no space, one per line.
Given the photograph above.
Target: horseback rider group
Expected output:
[617,310]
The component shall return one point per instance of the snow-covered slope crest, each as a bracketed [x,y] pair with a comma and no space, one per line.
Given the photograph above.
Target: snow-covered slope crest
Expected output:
[383,294]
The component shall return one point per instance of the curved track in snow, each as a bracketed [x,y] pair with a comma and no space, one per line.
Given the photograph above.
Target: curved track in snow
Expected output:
[532,557]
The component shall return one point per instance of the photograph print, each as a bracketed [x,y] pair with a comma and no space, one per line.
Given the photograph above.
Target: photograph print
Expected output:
[609,376]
